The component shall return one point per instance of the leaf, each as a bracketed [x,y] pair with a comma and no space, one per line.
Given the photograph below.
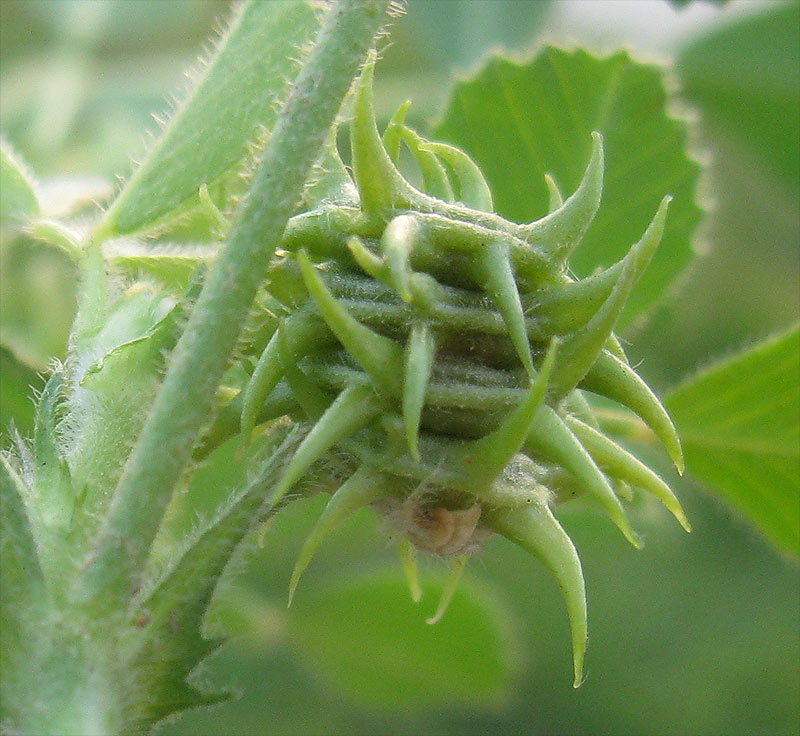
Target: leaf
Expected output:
[24,605]
[171,264]
[21,569]
[371,644]
[745,76]
[113,376]
[460,33]
[740,425]
[18,200]
[210,134]
[171,610]
[520,122]
[16,388]
[37,305]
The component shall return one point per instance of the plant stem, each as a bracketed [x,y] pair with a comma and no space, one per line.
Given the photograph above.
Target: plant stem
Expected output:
[202,353]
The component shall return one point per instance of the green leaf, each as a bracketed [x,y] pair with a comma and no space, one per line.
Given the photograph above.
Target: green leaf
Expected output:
[16,388]
[21,569]
[210,135]
[520,122]
[460,33]
[368,642]
[171,610]
[37,284]
[745,76]
[172,264]
[112,377]
[18,201]
[24,605]
[740,425]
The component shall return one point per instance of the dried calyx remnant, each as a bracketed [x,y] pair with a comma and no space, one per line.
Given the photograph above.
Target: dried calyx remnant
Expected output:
[442,352]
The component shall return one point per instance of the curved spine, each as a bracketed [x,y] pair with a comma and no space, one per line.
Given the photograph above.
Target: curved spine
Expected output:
[360,489]
[354,409]
[303,331]
[554,440]
[494,271]
[473,190]
[537,531]
[620,463]
[561,230]
[434,175]
[612,378]
[451,581]
[379,356]
[554,197]
[581,350]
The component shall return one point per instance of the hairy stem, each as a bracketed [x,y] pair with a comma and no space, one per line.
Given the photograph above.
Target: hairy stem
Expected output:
[201,355]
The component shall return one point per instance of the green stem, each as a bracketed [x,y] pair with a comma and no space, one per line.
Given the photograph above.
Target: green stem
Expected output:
[201,355]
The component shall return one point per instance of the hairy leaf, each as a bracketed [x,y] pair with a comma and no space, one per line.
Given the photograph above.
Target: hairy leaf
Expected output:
[740,425]
[171,613]
[520,122]
[210,134]
[21,569]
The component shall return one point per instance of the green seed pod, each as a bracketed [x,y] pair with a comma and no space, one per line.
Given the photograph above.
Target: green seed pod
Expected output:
[446,352]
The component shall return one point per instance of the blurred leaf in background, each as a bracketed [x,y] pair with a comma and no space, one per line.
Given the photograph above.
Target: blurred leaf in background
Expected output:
[84,105]
[395,660]
[739,423]
[436,40]
[241,87]
[16,400]
[746,78]
[747,285]
[521,122]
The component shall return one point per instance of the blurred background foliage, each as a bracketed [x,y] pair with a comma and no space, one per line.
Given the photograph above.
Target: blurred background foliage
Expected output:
[693,635]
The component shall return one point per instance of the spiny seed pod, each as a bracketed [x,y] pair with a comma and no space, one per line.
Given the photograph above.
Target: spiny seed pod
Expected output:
[444,351]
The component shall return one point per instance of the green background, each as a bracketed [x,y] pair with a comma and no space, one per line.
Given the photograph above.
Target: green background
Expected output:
[694,634]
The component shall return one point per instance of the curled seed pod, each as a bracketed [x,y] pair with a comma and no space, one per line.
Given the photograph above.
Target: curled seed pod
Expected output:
[447,354]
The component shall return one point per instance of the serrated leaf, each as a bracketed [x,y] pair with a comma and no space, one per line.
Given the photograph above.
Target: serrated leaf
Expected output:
[522,121]
[18,200]
[235,101]
[171,609]
[739,422]
[370,644]
[745,76]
